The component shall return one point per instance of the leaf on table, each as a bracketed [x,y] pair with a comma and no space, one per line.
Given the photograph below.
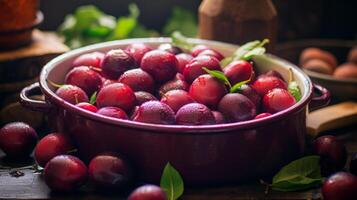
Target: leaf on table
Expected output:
[300,174]
[171,182]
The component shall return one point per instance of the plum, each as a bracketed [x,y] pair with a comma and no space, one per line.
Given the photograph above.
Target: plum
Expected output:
[113,112]
[148,192]
[88,80]
[137,51]
[341,185]
[195,114]
[116,62]
[277,100]
[154,112]
[183,59]
[265,83]
[93,59]
[142,97]
[178,83]
[138,80]
[238,71]
[117,95]
[195,67]
[237,107]
[176,99]
[72,94]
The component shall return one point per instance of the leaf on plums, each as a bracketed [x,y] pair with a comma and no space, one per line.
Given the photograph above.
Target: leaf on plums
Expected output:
[181,41]
[93,98]
[300,174]
[293,87]
[237,86]
[171,182]
[219,75]
[246,52]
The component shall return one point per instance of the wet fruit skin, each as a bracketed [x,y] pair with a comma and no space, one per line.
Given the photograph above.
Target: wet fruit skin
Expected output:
[116,62]
[117,95]
[238,71]
[65,173]
[207,90]
[211,52]
[176,99]
[277,100]
[169,48]
[353,164]
[265,83]
[154,112]
[273,73]
[52,145]
[198,49]
[194,68]
[252,94]
[17,139]
[262,115]
[195,114]
[332,152]
[85,78]
[178,83]
[142,97]
[183,59]
[89,59]
[137,51]
[138,80]
[161,65]
[341,185]
[109,171]
[87,106]
[219,117]
[72,94]
[237,107]
[148,192]
[114,112]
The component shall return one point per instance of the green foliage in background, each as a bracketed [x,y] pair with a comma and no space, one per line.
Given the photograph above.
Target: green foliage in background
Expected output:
[89,25]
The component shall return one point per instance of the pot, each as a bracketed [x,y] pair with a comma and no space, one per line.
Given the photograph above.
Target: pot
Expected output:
[208,154]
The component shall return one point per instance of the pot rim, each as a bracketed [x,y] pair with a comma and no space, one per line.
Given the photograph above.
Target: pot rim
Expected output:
[160,128]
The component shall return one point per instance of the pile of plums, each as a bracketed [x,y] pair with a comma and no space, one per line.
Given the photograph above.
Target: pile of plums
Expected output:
[167,86]
[333,157]
[64,172]
[321,61]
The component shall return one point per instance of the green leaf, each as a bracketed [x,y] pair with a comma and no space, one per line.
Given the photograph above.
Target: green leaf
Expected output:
[93,98]
[181,20]
[181,41]
[219,75]
[246,51]
[237,86]
[300,174]
[294,90]
[171,182]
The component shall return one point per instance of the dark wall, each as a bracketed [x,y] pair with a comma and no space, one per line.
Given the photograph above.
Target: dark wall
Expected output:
[297,18]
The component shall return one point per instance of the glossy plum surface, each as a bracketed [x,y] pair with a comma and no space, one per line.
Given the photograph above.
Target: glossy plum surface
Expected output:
[194,68]
[195,114]
[176,99]
[340,186]
[137,51]
[237,107]
[117,95]
[238,71]
[178,83]
[148,192]
[138,80]
[114,112]
[154,112]
[88,80]
[277,100]
[89,59]
[72,94]
[116,62]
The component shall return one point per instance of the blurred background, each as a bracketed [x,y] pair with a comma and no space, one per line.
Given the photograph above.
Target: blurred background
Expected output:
[297,18]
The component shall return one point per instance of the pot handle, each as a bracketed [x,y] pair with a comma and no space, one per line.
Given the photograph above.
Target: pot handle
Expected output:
[32,104]
[319,101]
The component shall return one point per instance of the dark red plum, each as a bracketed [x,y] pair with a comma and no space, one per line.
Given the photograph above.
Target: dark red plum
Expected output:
[161,65]
[183,59]
[238,71]
[87,106]
[52,145]
[353,164]
[85,78]
[262,115]
[109,171]
[117,95]
[265,83]
[198,49]
[65,173]
[178,83]
[142,97]
[106,82]
[17,139]
[218,116]
[137,51]
[207,90]
[116,62]
[89,59]
[148,192]
[273,73]
[138,80]
[332,152]
[194,68]
[237,107]
[114,112]
[252,94]
[211,52]
[195,114]
[72,94]
[169,48]
[277,100]
[154,112]
[341,185]
[176,99]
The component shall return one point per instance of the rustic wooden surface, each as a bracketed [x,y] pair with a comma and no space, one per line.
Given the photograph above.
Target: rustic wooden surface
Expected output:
[32,186]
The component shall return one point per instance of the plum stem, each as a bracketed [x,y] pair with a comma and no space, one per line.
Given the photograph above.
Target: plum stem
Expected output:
[54,84]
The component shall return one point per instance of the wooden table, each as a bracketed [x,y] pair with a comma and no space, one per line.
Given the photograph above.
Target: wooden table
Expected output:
[32,186]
